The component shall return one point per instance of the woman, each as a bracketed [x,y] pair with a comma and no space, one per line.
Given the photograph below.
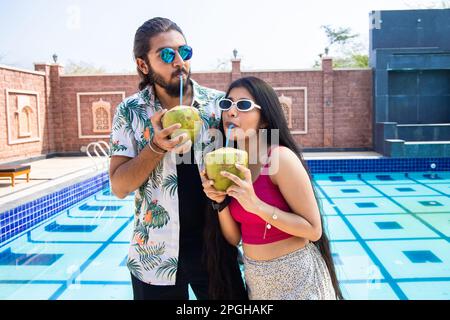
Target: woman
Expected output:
[274,210]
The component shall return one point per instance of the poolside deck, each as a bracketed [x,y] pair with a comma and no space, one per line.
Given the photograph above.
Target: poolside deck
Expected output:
[49,175]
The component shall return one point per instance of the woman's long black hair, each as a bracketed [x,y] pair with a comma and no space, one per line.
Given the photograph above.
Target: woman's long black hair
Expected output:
[273,116]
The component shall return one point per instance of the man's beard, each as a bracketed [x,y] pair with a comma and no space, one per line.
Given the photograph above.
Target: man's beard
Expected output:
[172,89]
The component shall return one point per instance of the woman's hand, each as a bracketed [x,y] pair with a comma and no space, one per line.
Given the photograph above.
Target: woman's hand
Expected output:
[243,190]
[210,191]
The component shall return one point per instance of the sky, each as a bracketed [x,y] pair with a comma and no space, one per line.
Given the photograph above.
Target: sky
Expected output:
[268,34]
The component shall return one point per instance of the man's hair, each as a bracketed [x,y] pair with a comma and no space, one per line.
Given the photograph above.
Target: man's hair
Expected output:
[141,47]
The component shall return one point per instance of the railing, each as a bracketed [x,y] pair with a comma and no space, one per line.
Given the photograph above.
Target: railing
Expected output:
[100,149]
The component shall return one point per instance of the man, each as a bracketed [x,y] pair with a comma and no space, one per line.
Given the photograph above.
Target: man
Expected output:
[167,246]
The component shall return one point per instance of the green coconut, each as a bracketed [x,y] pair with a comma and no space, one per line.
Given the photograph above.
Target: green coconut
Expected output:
[189,119]
[224,159]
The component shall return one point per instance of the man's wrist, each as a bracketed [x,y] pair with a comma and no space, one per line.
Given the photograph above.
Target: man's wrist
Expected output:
[159,148]
[155,150]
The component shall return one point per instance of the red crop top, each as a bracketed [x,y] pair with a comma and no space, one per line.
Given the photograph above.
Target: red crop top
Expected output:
[252,226]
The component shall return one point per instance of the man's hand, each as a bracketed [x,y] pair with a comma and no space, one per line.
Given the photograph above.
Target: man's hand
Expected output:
[161,136]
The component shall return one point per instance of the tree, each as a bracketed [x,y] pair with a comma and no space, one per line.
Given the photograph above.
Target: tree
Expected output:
[346,48]
[338,36]
[82,68]
[223,64]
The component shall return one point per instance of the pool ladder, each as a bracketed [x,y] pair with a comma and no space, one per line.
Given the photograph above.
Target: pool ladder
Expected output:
[100,149]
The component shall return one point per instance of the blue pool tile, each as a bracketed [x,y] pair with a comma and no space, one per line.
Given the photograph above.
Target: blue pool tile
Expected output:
[86,207]
[393,226]
[124,261]
[442,188]
[110,291]
[390,225]
[422,204]
[396,179]
[431,176]
[400,266]
[431,203]
[62,269]
[374,290]
[406,190]
[439,221]
[327,208]
[7,257]
[28,291]
[365,205]
[350,192]
[383,206]
[355,262]
[426,290]
[384,177]
[55,227]
[336,259]
[349,179]
[422,256]
[443,177]
[336,229]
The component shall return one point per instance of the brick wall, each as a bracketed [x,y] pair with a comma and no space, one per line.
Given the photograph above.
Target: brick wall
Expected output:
[89,89]
[338,105]
[32,85]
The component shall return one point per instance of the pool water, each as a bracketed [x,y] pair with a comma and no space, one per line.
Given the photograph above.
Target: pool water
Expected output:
[389,236]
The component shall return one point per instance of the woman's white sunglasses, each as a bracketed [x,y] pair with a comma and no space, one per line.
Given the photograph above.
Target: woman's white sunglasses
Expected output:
[242,104]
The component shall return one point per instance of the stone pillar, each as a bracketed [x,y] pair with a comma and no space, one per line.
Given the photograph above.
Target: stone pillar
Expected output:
[327,85]
[54,112]
[235,69]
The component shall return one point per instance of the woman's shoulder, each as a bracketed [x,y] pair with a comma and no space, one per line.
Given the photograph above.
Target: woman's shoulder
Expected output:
[282,153]
[282,161]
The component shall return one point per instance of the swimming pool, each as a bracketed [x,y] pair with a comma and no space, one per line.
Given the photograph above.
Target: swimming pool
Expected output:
[389,234]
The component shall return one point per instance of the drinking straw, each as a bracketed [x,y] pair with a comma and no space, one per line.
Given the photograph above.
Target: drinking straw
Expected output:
[228,134]
[181,89]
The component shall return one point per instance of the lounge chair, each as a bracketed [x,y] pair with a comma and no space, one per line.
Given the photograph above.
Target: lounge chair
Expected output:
[13,171]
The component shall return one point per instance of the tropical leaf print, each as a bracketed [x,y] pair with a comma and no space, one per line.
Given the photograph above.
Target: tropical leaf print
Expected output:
[147,193]
[156,177]
[156,215]
[141,234]
[170,184]
[213,122]
[135,112]
[116,146]
[135,268]
[150,256]
[146,135]
[137,204]
[203,115]
[168,267]
[121,118]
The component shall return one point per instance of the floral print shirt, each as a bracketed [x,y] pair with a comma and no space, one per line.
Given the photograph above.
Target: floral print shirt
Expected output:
[154,246]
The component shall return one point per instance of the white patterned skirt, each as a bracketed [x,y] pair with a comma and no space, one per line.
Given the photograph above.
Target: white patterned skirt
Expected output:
[299,275]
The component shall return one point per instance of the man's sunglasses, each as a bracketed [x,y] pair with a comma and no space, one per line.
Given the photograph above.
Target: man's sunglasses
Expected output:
[168,54]
[242,104]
